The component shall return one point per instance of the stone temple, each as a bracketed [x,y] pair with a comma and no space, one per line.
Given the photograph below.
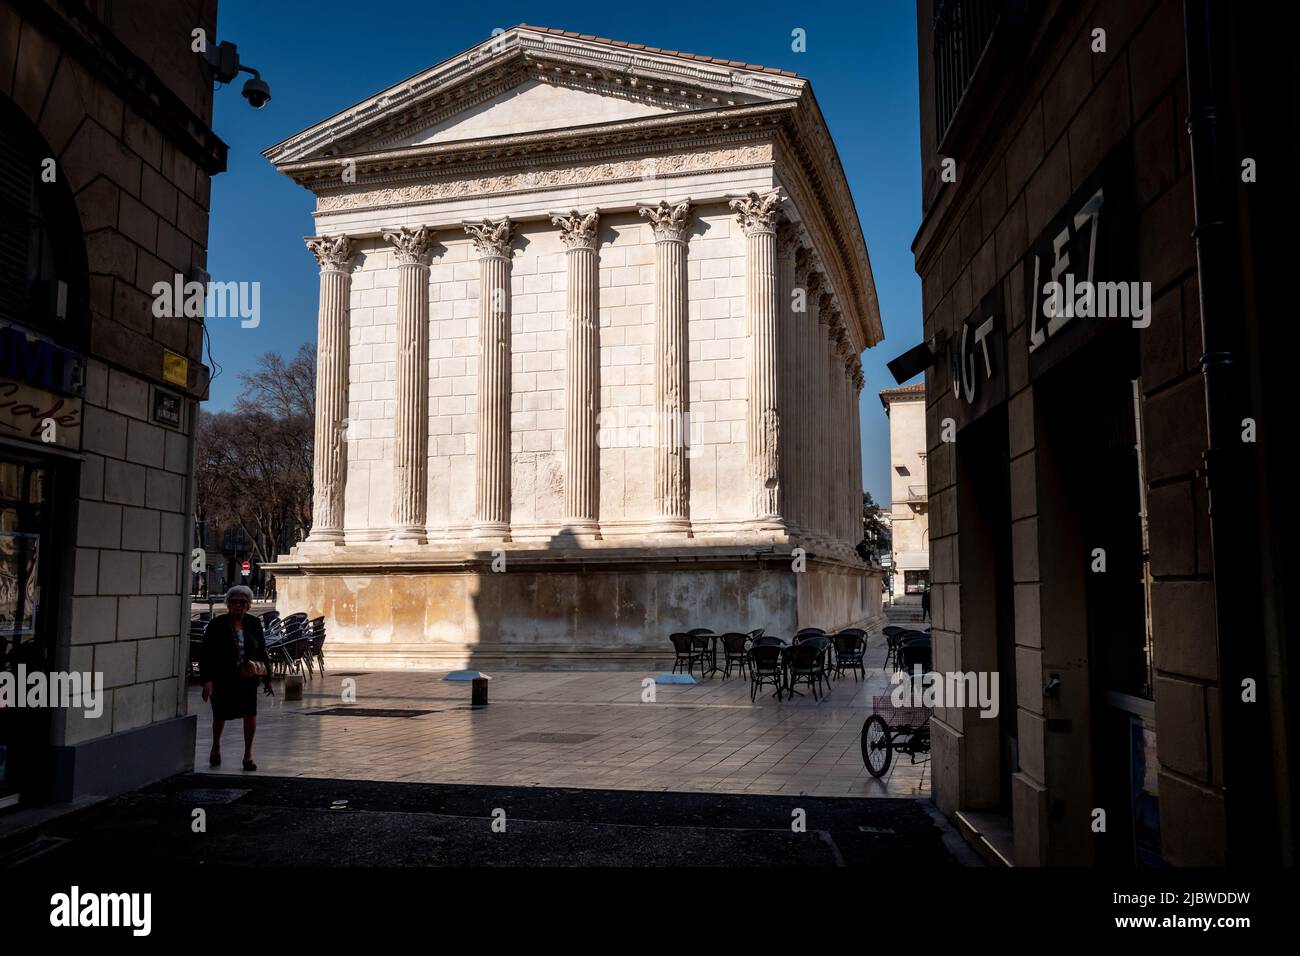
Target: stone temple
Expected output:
[588,361]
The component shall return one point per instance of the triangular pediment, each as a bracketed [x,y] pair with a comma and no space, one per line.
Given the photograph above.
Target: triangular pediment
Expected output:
[533,106]
[532,79]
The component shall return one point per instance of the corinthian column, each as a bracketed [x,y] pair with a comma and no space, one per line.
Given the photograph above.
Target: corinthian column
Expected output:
[758,218]
[411,418]
[821,457]
[787,247]
[582,366]
[328,453]
[672,479]
[492,465]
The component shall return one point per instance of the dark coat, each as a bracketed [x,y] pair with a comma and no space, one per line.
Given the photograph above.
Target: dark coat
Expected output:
[219,660]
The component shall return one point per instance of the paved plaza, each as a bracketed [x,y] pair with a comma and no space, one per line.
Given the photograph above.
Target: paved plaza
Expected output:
[571,729]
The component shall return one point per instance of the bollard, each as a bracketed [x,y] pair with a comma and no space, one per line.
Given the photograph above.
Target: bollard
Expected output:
[478,695]
[293,687]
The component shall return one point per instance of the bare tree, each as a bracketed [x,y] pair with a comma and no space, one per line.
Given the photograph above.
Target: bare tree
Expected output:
[255,463]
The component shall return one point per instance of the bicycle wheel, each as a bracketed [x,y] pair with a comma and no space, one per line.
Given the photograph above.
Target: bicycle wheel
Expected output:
[877,749]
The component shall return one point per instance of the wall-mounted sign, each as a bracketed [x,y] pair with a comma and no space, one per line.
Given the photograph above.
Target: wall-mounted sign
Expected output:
[167,408]
[977,359]
[40,389]
[176,368]
[33,360]
[38,415]
[1081,271]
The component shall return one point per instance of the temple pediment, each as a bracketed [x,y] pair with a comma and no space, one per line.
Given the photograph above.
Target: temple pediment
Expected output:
[533,79]
[534,106]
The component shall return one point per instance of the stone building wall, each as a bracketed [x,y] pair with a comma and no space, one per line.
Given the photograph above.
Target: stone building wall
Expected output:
[1072,110]
[124,107]
[717,355]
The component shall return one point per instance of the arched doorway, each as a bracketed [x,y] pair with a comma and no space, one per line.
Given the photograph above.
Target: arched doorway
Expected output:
[44,322]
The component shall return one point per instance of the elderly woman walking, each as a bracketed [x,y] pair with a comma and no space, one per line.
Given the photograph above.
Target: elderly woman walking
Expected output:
[233,662]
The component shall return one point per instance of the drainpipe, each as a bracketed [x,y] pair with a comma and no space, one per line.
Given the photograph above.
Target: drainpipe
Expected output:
[1251,822]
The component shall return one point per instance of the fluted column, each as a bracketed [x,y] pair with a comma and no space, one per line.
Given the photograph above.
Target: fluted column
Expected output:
[411,412]
[672,477]
[855,446]
[492,463]
[758,215]
[787,280]
[329,462]
[581,371]
[858,381]
[822,367]
[808,405]
[835,436]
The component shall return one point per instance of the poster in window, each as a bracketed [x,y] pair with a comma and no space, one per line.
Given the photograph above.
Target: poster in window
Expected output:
[19,563]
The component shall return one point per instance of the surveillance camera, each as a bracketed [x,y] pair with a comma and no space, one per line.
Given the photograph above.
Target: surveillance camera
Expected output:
[257,92]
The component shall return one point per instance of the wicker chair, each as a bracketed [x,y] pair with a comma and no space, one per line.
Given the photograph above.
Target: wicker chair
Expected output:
[849,650]
[734,652]
[766,666]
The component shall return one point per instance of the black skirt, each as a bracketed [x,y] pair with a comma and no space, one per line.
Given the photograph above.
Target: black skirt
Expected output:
[234,698]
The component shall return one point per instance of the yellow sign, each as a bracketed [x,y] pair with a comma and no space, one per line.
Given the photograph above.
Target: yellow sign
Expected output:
[176,368]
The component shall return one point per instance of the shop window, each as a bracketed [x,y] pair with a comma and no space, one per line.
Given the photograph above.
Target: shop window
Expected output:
[916,582]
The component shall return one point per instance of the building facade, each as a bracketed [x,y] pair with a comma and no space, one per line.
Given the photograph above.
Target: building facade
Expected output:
[588,364]
[107,152]
[1088,254]
[909,493]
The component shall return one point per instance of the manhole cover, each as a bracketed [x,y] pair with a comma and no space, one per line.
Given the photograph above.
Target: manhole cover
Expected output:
[211,795]
[554,738]
[350,674]
[363,712]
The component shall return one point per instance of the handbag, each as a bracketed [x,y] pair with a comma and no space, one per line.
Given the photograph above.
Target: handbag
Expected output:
[252,669]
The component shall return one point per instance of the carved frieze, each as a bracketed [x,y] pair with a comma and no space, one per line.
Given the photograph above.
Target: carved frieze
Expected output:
[625,170]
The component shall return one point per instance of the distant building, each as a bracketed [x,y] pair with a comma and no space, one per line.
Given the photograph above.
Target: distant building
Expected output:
[910,512]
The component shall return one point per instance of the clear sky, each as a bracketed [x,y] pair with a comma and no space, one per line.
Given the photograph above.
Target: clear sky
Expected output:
[324,55]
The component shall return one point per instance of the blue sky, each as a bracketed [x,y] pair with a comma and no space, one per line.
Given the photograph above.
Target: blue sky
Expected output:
[322,56]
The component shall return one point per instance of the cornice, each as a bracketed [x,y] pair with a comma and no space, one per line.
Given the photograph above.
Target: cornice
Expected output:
[576,143]
[495,64]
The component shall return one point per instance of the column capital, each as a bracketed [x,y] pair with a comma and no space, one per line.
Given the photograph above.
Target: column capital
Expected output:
[669,222]
[578,231]
[491,238]
[332,252]
[859,379]
[410,245]
[788,241]
[758,212]
[826,308]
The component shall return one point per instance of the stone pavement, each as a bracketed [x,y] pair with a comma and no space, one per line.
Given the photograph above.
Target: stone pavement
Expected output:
[572,729]
[258,820]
